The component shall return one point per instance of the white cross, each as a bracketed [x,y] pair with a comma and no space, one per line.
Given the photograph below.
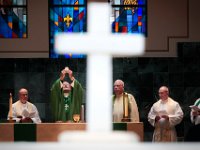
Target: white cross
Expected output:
[100,45]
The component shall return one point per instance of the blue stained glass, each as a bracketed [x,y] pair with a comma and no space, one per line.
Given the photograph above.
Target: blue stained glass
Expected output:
[131,19]
[4,28]
[82,9]
[116,2]
[142,2]
[139,29]
[20,2]
[67,2]
[55,17]
[14,2]
[24,19]
[65,11]
[129,23]
[120,2]
[81,26]
[129,12]
[135,18]
[76,13]
[74,56]
[9,18]
[82,1]
[66,19]
[13,22]
[140,11]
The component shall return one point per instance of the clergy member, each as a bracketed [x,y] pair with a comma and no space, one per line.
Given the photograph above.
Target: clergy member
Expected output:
[24,111]
[164,115]
[193,133]
[66,98]
[195,113]
[118,104]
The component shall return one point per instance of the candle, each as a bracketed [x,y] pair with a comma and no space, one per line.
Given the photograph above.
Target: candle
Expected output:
[126,107]
[82,113]
[125,98]
[10,107]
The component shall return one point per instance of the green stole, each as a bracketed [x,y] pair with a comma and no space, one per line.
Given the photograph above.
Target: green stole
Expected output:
[197,102]
[125,95]
[67,101]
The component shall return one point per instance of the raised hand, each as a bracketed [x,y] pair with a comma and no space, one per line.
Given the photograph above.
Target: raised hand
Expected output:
[70,72]
[63,73]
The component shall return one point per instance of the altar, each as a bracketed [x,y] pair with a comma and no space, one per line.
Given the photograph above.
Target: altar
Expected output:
[46,132]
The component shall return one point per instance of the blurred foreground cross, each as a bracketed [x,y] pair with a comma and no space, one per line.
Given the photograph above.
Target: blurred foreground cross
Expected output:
[100,45]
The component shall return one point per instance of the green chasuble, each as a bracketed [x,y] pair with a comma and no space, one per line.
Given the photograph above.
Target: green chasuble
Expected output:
[58,101]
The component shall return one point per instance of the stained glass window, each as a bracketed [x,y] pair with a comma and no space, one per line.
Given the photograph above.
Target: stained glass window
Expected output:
[129,16]
[66,16]
[13,19]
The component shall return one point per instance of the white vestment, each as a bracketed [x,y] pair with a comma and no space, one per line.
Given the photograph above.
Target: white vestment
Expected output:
[25,110]
[195,119]
[118,109]
[168,107]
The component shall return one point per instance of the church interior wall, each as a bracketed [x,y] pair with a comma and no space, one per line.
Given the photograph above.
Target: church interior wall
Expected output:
[168,22]
[171,58]
[142,76]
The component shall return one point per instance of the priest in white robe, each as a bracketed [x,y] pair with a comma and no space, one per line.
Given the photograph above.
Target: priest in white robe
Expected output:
[164,115]
[118,103]
[24,111]
[195,112]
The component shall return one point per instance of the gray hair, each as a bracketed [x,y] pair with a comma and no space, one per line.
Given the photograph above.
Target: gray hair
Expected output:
[165,88]
[120,81]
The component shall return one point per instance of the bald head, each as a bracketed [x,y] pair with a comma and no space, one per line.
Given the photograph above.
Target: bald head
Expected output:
[164,88]
[163,93]
[118,87]
[23,95]
[119,82]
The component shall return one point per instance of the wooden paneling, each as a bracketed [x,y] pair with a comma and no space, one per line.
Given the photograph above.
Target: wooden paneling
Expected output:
[50,131]
[46,132]
[137,128]
[6,132]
